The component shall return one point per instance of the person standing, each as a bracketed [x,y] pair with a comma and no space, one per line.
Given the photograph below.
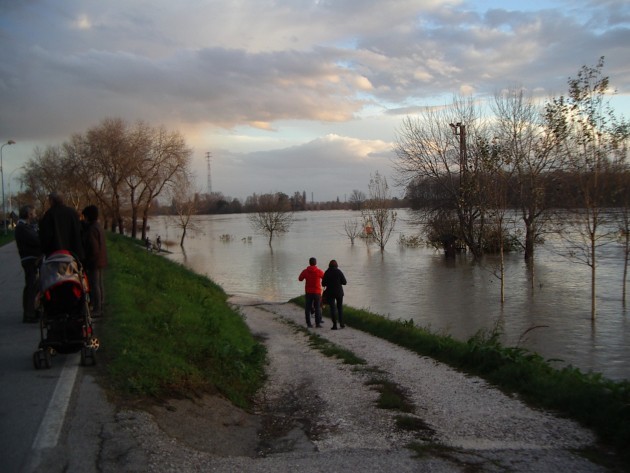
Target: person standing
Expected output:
[60,228]
[95,257]
[313,285]
[333,281]
[29,248]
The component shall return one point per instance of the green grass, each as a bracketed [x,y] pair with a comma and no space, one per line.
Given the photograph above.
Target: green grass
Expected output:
[391,396]
[598,403]
[170,333]
[4,239]
[326,347]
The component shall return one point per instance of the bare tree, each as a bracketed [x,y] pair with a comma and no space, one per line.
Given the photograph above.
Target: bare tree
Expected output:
[527,146]
[497,183]
[167,161]
[439,148]
[185,202]
[589,132]
[107,154]
[272,216]
[377,213]
[356,199]
[352,229]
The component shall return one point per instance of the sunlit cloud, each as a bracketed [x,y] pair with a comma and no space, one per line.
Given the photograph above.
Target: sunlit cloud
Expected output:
[288,77]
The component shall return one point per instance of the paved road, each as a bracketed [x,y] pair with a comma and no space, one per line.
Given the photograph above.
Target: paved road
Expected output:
[33,403]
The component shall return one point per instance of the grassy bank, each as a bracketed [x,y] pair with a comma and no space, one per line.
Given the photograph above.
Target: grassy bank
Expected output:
[596,402]
[169,332]
[4,239]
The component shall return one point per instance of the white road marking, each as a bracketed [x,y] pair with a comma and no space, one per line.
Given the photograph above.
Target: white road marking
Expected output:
[52,422]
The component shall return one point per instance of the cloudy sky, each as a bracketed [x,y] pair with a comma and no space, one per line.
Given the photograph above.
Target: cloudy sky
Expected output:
[286,95]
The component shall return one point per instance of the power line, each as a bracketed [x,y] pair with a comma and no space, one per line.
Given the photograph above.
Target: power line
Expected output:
[209,185]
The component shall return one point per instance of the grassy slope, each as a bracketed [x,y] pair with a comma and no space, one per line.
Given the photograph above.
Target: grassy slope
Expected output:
[170,332]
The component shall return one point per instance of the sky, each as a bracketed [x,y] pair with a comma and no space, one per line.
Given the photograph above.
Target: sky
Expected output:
[286,95]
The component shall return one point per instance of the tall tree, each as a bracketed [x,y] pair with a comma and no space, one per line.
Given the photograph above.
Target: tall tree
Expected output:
[169,159]
[357,198]
[108,155]
[272,214]
[377,212]
[589,132]
[185,201]
[529,147]
[439,148]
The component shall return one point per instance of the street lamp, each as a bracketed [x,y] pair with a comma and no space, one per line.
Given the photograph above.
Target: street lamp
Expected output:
[4,205]
[9,188]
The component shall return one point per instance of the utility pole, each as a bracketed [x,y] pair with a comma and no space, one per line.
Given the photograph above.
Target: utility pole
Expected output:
[209,185]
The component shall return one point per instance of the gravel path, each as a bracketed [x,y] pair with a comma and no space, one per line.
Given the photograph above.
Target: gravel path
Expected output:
[317,414]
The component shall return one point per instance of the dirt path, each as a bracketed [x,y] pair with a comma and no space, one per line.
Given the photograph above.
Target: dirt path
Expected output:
[318,414]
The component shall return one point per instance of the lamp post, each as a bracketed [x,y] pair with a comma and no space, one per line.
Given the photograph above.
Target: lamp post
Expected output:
[4,205]
[9,188]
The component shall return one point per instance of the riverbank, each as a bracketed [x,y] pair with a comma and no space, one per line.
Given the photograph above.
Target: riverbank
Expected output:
[319,410]
[316,413]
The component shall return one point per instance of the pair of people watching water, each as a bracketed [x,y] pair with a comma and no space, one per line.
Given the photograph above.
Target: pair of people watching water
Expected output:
[333,280]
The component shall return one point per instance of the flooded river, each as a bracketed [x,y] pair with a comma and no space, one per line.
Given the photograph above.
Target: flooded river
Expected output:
[460,297]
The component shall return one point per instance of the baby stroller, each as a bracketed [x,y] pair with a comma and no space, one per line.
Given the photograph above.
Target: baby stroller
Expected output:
[66,324]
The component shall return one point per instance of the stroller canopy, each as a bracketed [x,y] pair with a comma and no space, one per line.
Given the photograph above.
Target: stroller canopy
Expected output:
[61,267]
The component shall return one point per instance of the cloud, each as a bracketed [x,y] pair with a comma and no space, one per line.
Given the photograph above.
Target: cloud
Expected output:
[329,167]
[287,75]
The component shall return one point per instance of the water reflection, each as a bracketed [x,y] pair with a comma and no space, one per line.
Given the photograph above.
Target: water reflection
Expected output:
[546,309]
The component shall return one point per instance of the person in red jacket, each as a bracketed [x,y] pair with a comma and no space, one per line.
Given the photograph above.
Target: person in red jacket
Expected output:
[313,285]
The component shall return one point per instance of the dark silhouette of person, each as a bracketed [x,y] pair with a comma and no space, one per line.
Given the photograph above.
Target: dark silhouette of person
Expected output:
[30,250]
[60,228]
[95,257]
[333,281]
[313,286]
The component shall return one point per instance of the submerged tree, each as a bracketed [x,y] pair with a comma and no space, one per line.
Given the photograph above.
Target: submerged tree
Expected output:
[438,149]
[590,135]
[528,148]
[352,229]
[185,205]
[272,215]
[376,211]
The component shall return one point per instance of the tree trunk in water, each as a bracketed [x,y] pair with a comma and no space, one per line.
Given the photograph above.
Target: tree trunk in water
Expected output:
[625,266]
[181,242]
[593,274]
[530,237]
[502,269]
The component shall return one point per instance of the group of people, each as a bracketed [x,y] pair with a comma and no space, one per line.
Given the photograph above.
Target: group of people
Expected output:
[333,280]
[61,228]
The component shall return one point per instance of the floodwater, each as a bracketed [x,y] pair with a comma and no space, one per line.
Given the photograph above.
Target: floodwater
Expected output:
[550,316]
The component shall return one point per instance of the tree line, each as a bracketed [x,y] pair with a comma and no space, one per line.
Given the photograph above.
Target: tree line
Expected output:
[560,164]
[120,167]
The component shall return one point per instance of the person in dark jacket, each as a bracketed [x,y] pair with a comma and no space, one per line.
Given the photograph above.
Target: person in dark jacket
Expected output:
[60,228]
[333,281]
[95,257]
[29,248]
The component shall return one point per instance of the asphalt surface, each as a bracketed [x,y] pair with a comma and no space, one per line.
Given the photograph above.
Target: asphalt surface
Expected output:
[41,410]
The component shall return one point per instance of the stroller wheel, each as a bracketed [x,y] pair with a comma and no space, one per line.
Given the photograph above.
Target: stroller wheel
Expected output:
[42,359]
[93,343]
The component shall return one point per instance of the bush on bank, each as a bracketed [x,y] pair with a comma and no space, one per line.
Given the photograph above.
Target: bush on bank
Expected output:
[596,402]
[168,332]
